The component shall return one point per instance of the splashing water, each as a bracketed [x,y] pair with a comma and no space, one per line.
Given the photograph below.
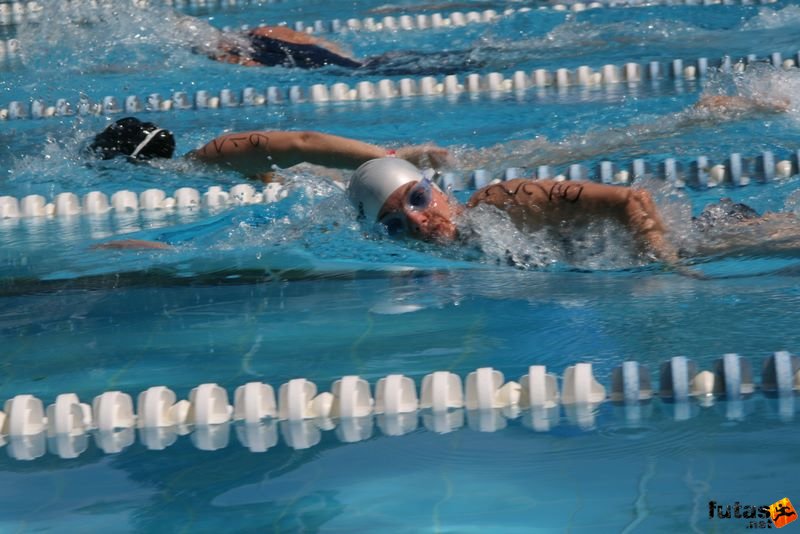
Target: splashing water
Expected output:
[600,245]
[761,89]
[122,38]
[575,39]
[770,19]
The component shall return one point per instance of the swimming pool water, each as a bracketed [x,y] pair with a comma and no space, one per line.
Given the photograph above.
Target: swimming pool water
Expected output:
[296,289]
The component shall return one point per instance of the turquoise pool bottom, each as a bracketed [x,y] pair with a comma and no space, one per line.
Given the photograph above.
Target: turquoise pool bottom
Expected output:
[658,477]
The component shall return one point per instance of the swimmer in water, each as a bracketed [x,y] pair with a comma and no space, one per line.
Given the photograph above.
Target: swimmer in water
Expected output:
[271,46]
[708,111]
[395,195]
[279,46]
[393,192]
[254,153]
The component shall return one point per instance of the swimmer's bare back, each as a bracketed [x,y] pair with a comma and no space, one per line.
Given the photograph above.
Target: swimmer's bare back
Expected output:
[288,35]
[278,45]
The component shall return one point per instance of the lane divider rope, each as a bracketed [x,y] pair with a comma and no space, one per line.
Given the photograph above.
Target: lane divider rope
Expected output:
[349,406]
[630,73]
[423,21]
[124,202]
[19,12]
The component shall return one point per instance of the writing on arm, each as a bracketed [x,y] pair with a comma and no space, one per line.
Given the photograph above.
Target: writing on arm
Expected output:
[235,143]
[566,191]
[529,193]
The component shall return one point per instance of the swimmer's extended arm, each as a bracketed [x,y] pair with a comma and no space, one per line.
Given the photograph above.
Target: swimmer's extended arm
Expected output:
[255,153]
[534,203]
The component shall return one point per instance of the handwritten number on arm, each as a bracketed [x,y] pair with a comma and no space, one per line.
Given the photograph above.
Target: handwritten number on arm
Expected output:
[255,140]
[558,191]
[565,191]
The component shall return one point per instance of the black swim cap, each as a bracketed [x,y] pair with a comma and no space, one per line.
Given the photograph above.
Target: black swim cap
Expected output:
[134,138]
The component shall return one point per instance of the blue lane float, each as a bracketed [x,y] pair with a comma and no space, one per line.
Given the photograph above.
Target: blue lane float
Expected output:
[301,412]
[701,172]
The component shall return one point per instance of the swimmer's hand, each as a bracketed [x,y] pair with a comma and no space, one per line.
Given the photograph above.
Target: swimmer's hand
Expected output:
[688,272]
[427,155]
[645,221]
[132,244]
[665,253]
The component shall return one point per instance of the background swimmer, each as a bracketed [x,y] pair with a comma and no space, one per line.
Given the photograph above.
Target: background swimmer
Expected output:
[711,108]
[279,46]
[271,46]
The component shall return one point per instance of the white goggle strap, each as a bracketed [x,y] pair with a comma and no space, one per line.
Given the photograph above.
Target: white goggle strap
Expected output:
[145,142]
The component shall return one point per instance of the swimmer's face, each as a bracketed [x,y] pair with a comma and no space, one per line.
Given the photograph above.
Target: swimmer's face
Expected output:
[419,210]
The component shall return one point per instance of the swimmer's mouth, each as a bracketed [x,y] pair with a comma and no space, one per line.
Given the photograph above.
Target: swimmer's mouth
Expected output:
[443,232]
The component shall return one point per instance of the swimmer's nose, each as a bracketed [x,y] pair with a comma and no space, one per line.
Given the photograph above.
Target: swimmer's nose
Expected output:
[417,220]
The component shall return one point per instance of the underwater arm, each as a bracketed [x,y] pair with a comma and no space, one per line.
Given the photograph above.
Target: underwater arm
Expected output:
[132,244]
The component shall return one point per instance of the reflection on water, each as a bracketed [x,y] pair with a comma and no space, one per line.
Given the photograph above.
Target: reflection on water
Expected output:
[458,321]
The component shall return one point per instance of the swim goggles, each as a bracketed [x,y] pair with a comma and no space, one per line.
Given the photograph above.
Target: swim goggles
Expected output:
[418,198]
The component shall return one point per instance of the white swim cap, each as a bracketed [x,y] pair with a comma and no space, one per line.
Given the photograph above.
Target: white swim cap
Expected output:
[374,181]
